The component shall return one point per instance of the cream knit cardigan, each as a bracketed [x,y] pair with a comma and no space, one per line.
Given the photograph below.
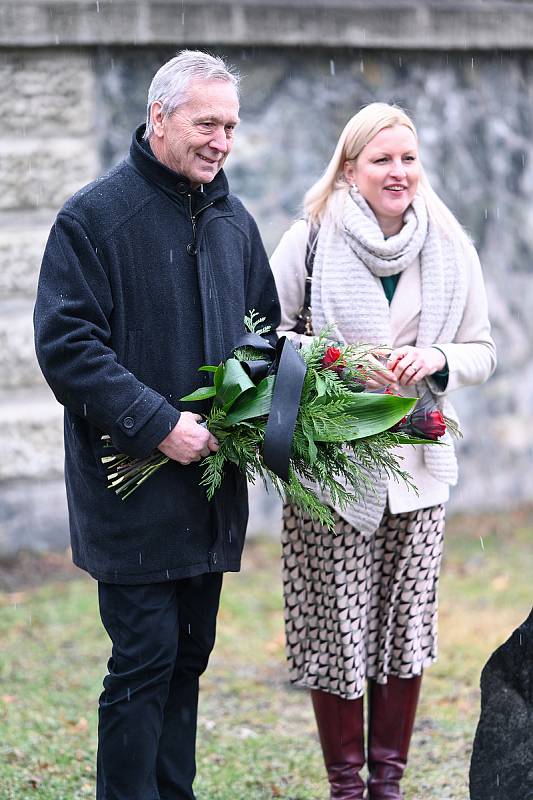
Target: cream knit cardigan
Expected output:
[471,356]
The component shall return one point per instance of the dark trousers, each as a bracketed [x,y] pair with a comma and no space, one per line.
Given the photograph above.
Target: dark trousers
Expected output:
[162,636]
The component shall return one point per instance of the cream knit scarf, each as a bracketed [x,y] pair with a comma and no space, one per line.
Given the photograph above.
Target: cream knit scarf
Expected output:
[347,293]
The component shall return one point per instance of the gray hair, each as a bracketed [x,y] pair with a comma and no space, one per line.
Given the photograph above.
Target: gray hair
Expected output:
[170,85]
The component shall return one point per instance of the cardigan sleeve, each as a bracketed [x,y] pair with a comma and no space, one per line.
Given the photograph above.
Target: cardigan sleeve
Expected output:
[288,265]
[74,348]
[471,357]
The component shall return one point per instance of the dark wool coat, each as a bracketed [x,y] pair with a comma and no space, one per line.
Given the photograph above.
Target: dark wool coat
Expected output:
[144,280]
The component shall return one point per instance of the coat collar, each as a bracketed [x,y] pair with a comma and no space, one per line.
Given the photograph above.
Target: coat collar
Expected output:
[144,161]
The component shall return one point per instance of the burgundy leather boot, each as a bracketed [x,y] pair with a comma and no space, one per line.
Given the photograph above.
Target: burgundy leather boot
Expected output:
[391,717]
[341,730]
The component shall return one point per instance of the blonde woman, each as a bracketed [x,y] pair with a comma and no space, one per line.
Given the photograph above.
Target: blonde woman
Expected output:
[392,267]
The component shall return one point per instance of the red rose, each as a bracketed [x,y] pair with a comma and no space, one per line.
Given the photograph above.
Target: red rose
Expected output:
[429,424]
[333,360]
[423,424]
[332,355]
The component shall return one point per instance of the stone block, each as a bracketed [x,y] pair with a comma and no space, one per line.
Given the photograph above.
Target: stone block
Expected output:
[31,435]
[21,251]
[46,92]
[37,174]
[33,516]
[18,364]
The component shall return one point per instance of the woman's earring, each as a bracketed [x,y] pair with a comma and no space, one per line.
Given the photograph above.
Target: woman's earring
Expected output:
[354,187]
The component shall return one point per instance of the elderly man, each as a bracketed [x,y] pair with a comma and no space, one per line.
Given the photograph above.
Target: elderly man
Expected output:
[147,275]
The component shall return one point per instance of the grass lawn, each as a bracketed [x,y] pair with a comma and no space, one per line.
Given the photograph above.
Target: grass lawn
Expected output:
[256,737]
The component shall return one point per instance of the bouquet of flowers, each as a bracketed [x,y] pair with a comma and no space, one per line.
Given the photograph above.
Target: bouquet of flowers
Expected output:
[290,416]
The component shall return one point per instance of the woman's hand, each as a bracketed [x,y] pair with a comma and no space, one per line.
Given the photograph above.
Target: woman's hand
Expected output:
[410,365]
[378,375]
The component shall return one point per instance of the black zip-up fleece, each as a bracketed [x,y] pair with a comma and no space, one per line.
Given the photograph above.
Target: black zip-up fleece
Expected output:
[143,280]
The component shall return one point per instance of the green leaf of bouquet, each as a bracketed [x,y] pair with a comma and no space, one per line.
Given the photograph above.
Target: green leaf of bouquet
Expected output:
[256,402]
[338,428]
[320,384]
[207,368]
[375,413]
[234,382]
[204,393]
[219,376]
[406,438]
[309,433]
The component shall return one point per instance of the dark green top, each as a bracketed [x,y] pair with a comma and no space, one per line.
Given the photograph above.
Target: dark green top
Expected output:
[389,283]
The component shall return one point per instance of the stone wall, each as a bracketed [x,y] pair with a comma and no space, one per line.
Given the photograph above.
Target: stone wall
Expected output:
[69,97]
[47,151]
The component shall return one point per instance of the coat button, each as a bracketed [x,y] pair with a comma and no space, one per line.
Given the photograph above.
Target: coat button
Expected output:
[182,187]
[191,249]
[128,422]
[214,558]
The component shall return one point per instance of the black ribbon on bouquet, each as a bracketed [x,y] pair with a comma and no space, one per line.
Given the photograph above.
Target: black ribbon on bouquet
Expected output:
[284,362]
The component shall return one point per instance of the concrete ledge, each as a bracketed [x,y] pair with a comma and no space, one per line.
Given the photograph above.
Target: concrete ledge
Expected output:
[398,24]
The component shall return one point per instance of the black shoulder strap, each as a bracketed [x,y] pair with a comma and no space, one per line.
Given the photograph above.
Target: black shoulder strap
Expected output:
[310,253]
[304,322]
[310,250]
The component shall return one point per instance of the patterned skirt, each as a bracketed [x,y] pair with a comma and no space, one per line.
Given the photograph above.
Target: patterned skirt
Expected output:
[359,607]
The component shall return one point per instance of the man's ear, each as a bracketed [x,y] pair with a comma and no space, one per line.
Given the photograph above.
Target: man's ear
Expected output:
[157,117]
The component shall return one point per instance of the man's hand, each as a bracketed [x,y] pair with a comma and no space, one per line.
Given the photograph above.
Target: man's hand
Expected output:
[188,441]
[411,364]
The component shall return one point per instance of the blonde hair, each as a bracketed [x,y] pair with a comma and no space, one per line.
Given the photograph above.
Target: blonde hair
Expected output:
[326,197]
